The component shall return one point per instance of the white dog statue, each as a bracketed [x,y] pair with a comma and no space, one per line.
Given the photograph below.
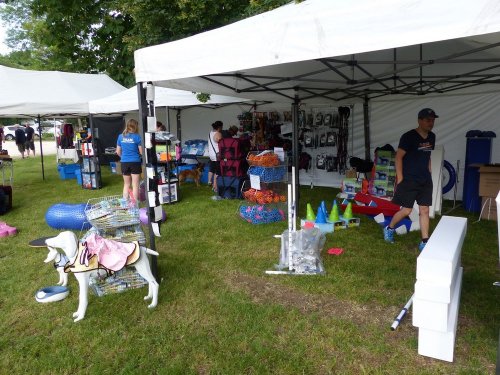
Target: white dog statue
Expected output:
[68,243]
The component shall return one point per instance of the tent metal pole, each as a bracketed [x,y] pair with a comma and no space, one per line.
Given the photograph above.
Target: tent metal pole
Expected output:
[295,150]
[179,130]
[41,148]
[366,124]
[143,121]
[168,118]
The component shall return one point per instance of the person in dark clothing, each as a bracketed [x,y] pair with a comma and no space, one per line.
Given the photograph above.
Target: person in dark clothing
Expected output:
[20,140]
[230,133]
[413,175]
[30,141]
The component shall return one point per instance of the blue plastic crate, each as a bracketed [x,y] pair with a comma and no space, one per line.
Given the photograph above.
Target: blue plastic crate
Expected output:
[67,171]
[204,176]
[181,168]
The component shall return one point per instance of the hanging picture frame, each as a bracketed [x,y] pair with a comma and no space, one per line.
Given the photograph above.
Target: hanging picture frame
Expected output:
[308,139]
[322,140]
[331,138]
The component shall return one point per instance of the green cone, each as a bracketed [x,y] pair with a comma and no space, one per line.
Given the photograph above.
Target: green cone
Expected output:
[348,211]
[334,214]
[310,213]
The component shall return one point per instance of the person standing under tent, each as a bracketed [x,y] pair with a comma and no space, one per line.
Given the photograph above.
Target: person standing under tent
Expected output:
[1,137]
[30,141]
[20,137]
[230,133]
[214,137]
[413,175]
[160,127]
[129,149]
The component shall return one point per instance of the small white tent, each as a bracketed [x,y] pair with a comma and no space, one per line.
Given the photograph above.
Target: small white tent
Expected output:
[31,93]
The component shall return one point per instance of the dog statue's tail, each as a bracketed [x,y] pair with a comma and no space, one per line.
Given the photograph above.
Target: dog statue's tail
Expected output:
[149,251]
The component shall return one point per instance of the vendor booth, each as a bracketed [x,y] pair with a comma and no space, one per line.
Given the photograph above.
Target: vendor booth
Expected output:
[383,60]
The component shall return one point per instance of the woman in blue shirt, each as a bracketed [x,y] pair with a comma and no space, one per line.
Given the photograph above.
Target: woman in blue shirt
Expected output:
[129,148]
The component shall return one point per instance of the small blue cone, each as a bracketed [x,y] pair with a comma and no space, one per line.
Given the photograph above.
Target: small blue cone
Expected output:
[323,207]
[320,217]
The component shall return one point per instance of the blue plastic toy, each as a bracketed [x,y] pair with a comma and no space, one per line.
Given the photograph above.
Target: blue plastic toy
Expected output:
[67,216]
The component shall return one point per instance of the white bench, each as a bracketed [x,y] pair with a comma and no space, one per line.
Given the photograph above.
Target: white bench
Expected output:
[437,289]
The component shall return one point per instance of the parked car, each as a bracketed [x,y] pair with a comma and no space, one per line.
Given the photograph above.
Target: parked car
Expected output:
[10,130]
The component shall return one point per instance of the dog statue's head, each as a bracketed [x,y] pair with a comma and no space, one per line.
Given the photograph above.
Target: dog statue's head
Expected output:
[66,241]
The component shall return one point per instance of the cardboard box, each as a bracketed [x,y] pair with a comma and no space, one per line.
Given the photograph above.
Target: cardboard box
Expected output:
[489,209]
[381,188]
[385,158]
[489,180]
[351,185]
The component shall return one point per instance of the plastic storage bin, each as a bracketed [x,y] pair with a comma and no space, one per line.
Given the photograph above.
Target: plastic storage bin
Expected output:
[67,171]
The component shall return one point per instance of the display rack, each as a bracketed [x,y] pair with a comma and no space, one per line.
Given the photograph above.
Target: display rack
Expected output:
[90,168]
[115,218]
[168,183]
[265,192]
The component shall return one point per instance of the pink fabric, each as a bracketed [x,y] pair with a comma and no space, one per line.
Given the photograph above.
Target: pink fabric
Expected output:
[111,254]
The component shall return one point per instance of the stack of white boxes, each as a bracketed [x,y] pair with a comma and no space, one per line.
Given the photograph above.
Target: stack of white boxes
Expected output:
[437,290]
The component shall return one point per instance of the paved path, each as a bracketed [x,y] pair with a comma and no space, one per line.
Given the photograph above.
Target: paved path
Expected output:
[49,148]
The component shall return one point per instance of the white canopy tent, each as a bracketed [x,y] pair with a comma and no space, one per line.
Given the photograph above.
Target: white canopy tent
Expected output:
[126,101]
[31,93]
[388,55]
[336,50]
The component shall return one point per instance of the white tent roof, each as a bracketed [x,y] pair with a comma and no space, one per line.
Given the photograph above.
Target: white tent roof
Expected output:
[326,50]
[127,101]
[51,93]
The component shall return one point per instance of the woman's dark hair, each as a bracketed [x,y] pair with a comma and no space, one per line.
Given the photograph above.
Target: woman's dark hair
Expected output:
[217,124]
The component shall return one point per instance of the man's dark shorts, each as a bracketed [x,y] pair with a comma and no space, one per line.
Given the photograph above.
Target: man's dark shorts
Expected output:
[131,168]
[408,191]
[215,167]
[30,145]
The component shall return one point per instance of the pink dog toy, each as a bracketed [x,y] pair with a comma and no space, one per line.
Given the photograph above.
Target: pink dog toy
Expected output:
[6,230]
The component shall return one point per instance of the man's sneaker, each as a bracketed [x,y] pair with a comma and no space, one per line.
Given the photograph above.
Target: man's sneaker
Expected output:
[421,245]
[388,234]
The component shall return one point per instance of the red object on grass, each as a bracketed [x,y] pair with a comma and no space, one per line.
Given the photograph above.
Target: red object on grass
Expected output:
[382,206]
[335,251]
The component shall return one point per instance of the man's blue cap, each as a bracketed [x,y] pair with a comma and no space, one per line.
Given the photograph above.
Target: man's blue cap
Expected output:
[427,113]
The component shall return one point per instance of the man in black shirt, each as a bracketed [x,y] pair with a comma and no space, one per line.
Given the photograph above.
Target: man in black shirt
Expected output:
[413,175]
[30,141]
[20,140]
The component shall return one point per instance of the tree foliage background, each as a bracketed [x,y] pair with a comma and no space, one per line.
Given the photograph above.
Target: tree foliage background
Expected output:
[89,36]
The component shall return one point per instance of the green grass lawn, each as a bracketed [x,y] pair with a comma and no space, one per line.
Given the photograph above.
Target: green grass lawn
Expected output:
[218,312]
